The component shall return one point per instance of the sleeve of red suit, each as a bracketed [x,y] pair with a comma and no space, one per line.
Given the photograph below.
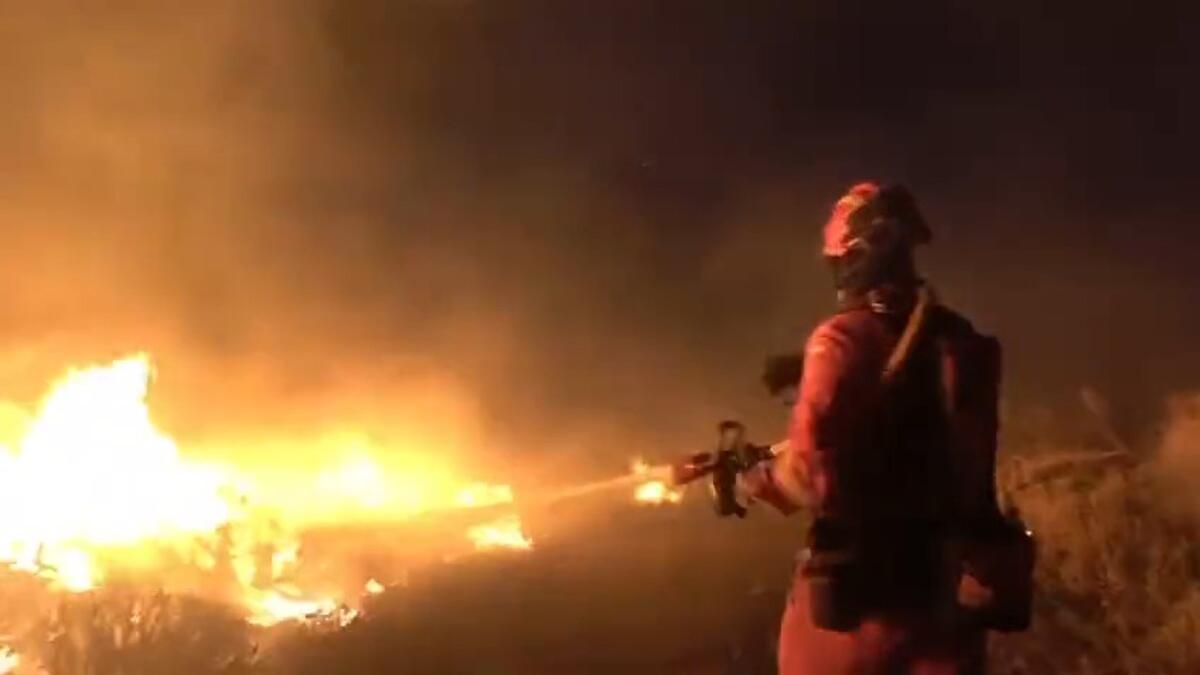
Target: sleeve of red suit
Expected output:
[804,473]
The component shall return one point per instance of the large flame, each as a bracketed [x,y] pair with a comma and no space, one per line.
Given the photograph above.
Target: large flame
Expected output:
[92,471]
[92,488]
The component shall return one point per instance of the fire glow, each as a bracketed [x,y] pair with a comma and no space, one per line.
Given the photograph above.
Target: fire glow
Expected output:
[100,491]
[653,489]
[92,472]
[9,660]
[504,533]
[657,492]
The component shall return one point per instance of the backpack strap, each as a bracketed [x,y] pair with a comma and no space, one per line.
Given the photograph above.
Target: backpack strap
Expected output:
[917,319]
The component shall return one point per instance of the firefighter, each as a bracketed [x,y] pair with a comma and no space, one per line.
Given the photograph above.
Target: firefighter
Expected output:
[872,457]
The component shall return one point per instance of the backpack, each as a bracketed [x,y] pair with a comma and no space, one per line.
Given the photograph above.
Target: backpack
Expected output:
[991,555]
[988,558]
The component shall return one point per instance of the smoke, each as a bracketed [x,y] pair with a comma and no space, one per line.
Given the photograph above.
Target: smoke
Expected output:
[307,222]
[177,182]
[534,235]
[1178,460]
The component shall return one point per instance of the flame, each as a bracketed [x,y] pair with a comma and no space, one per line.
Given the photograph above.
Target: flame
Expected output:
[73,569]
[653,490]
[101,490]
[10,660]
[373,587]
[93,471]
[357,477]
[503,533]
[657,492]
[276,606]
[367,482]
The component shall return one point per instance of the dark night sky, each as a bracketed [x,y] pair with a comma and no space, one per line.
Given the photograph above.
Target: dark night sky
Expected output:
[1051,147]
[597,217]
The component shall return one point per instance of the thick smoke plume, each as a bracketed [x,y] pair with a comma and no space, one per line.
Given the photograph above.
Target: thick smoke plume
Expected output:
[526,233]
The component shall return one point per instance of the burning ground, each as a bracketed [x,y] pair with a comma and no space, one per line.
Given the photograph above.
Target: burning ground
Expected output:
[101,503]
[124,554]
[147,560]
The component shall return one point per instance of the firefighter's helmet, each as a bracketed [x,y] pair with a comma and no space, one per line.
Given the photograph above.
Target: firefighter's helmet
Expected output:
[871,218]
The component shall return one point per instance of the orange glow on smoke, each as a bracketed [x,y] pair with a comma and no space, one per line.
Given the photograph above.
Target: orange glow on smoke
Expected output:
[482,494]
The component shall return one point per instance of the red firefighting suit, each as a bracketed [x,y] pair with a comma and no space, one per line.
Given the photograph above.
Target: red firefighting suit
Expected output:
[874,456]
[837,463]
[892,449]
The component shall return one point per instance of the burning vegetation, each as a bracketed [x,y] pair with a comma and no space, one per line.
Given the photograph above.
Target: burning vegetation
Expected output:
[100,499]
[119,543]
[125,554]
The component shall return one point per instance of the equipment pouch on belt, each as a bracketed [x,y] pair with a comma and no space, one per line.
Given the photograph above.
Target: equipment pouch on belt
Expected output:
[833,573]
[996,552]
[999,564]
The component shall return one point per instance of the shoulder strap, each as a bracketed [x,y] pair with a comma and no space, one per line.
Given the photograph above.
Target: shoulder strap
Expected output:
[912,332]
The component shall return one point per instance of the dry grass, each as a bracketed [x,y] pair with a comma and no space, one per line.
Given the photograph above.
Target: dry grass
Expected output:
[1119,560]
[130,632]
